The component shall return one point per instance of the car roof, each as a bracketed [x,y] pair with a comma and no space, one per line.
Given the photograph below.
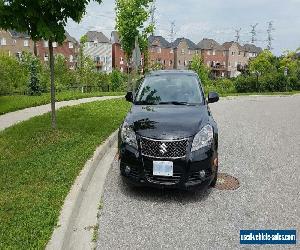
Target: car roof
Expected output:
[165,72]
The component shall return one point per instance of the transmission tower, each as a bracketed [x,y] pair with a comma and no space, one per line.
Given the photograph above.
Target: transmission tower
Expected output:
[253,33]
[152,17]
[238,35]
[172,32]
[270,36]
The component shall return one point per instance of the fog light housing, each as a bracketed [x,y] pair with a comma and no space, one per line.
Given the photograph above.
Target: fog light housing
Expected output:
[127,170]
[202,174]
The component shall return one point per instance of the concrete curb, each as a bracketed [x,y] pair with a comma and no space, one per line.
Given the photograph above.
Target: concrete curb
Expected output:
[70,211]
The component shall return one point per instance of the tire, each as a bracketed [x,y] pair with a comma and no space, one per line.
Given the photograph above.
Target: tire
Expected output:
[214,181]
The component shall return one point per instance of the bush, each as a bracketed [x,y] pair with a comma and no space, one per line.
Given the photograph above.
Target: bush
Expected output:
[13,75]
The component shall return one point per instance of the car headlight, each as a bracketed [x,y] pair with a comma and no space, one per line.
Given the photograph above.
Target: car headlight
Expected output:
[128,135]
[203,139]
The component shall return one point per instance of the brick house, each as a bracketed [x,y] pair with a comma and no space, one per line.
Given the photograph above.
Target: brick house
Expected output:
[236,58]
[99,48]
[161,52]
[252,51]
[184,51]
[69,49]
[14,43]
[118,56]
[213,56]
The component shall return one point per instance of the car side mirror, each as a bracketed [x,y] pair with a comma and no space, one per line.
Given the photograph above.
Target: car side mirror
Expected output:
[129,97]
[213,97]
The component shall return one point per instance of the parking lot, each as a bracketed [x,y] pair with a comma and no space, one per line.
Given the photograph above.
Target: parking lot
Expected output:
[259,144]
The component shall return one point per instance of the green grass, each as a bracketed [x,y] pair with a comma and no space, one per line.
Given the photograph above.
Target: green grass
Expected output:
[13,103]
[38,167]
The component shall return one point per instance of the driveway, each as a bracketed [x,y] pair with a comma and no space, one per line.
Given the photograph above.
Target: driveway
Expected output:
[259,145]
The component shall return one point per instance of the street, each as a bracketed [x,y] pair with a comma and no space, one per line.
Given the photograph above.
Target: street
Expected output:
[259,144]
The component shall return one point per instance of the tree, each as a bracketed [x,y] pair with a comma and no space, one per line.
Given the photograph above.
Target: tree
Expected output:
[42,20]
[131,16]
[263,64]
[201,69]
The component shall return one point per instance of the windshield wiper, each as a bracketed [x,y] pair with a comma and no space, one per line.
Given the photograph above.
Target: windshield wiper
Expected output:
[173,103]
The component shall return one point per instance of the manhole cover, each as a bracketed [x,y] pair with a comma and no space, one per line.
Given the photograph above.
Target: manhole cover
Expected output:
[227,182]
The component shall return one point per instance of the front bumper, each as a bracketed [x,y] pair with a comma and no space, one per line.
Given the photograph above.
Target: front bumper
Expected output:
[186,170]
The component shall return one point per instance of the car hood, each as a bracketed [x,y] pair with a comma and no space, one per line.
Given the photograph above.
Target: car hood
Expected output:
[167,122]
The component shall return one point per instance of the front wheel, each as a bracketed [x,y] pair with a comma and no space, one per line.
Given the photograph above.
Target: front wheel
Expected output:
[214,181]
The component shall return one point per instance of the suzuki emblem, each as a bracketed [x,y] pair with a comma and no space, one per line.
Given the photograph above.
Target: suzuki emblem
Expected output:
[163,148]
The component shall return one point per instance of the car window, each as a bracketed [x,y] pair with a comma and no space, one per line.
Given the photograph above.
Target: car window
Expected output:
[170,89]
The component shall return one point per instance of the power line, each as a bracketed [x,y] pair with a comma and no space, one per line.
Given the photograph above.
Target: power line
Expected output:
[172,32]
[270,36]
[253,33]
[152,13]
[238,34]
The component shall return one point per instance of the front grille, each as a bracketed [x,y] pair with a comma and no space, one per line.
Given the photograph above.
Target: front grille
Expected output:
[164,149]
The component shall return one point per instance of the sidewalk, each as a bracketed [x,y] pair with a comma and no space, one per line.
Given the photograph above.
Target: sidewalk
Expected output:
[13,118]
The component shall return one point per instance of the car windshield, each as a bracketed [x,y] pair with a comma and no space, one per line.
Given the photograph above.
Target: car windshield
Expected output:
[172,89]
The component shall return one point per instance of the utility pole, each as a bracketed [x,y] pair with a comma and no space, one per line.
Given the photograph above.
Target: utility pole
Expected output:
[238,35]
[270,36]
[172,32]
[253,33]
[152,11]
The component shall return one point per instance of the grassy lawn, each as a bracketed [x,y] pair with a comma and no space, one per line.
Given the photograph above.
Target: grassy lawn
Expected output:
[38,167]
[13,103]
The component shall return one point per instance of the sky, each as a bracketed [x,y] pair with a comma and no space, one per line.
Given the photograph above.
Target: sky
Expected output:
[217,19]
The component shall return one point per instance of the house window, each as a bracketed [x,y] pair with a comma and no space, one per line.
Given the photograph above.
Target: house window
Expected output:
[46,57]
[164,62]
[197,52]
[171,51]
[214,52]
[239,53]
[26,43]
[179,62]
[185,63]
[3,41]
[170,63]
[159,50]
[54,44]
[233,53]
[224,53]
[14,41]
[209,52]
[46,44]
[182,51]
[71,58]
[71,46]
[190,52]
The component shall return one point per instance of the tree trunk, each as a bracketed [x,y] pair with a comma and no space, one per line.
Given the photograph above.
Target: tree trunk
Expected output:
[53,114]
[34,48]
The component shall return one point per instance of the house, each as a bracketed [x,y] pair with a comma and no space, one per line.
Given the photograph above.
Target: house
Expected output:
[236,58]
[213,56]
[69,49]
[118,56]
[14,43]
[184,51]
[160,52]
[252,51]
[99,48]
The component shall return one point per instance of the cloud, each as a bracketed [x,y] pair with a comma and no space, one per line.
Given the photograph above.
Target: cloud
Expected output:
[216,19]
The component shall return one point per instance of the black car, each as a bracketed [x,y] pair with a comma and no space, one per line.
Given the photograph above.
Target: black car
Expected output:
[169,138]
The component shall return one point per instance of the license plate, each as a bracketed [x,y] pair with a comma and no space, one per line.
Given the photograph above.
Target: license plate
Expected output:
[163,168]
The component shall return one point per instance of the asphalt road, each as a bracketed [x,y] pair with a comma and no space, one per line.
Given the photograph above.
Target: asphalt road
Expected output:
[259,145]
